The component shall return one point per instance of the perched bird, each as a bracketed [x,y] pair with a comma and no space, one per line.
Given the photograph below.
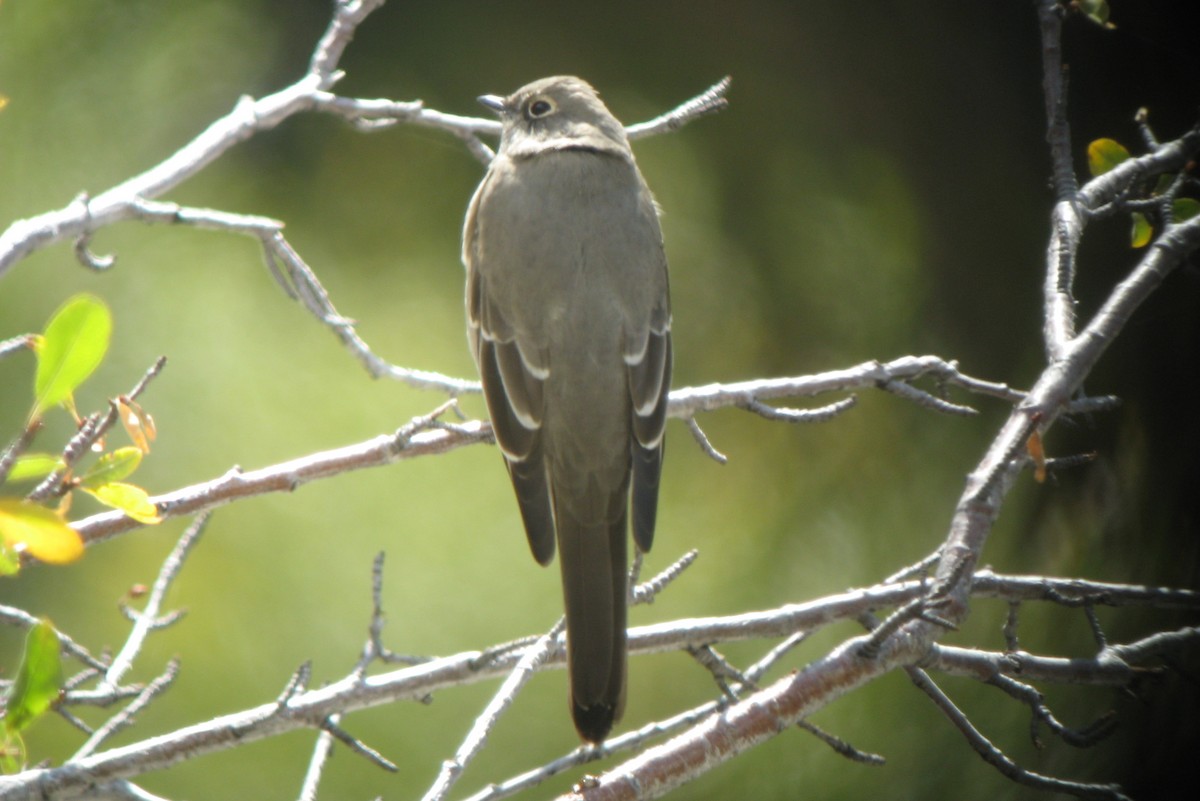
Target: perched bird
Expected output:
[569,321]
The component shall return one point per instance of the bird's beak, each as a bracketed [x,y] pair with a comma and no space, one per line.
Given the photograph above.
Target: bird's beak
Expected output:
[493,102]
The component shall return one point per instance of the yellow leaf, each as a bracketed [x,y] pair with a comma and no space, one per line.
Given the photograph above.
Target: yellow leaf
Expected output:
[1142,231]
[129,498]
[38,531]
[1104,154]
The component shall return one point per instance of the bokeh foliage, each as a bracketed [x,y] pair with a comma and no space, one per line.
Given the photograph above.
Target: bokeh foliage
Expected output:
[878,187]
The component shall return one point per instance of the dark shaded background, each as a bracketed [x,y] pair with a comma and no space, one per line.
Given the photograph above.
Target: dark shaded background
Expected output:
[878,187]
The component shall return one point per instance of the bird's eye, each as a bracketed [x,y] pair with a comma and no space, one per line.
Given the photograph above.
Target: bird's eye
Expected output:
[541,107]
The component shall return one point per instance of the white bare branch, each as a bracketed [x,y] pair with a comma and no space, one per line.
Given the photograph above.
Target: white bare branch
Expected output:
[428,435]
[749,721]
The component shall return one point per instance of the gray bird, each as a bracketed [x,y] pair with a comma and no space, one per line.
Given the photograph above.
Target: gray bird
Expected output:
[569,321]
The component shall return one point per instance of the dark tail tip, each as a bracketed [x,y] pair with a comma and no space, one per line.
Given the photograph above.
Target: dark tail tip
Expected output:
[594,722]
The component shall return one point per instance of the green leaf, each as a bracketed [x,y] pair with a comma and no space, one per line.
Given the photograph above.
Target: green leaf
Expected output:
[38,681]
[1095,10]
[1142,231]
[34,466]
[1104,154]
[1185,208]
[71,347]
[12,752]
[10,563]
[39,531]
[111,467]
[129,498]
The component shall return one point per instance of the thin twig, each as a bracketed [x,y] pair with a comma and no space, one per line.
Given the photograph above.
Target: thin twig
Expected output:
[357,746]
[923,398]
[647,591]
[19,618]
[703,441]
[475,740]
[386,449]
[707,102]
[633,740]
[124,791]
[374,649]
[149,615]
[720,668]
[18,446]
[93,428]
[129,712]
[1086,737]
[842,747]
[322,750]
[821,415]
[16,344]
[997,758]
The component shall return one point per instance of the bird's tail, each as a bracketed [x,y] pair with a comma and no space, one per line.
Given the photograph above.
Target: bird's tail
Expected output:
[593,571]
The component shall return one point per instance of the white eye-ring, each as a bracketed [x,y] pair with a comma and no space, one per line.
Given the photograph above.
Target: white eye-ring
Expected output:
[541,107]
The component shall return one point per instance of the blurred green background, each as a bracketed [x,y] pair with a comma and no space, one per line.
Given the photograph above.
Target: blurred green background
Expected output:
[877,188]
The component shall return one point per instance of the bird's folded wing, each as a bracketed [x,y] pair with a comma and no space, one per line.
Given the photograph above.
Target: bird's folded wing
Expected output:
[512,387]
[648,360]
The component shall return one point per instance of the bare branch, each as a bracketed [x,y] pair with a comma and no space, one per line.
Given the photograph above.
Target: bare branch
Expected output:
[997,758]
[1155,645]
[131,199]
[708,102]
[122,791]
[424,438]
[330,727]
[822,415]
[633,740]
[347,16]
[533,657]
[646,592]
[145,622]
[428,435]
[302,284]
[1070,216]
[125,716]
[1075,592]
[1090,735]
[93,428]
[922,398]
[703,441]
[757,717]
[374,647]
[987,485]
[17,447]
[16,344]
[21,619]
[688,401]
[841,746]
[1054,92]
[322,750]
